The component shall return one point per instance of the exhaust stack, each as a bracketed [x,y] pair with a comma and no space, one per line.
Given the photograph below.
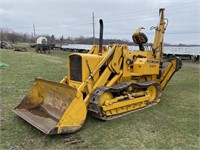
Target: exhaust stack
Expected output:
[100,36]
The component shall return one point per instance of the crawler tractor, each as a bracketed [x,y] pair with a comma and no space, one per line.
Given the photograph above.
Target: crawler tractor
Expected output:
[109,82]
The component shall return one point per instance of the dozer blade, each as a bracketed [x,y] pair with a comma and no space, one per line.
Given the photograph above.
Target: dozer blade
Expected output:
[53,108]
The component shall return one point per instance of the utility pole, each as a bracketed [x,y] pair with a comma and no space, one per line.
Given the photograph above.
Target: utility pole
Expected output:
[93,29]
[34,29]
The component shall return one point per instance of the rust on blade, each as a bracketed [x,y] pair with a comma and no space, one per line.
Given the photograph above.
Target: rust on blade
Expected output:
[45,103]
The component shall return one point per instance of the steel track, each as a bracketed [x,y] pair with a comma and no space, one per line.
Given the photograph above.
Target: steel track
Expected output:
[97,110]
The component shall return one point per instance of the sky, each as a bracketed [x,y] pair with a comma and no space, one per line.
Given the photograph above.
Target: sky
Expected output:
[73,18]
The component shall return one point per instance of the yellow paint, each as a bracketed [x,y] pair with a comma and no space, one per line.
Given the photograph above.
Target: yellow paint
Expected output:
[66,102]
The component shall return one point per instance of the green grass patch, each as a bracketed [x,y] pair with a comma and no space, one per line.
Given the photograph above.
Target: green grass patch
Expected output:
[172,124]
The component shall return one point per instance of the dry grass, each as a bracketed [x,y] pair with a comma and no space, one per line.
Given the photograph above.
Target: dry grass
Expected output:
[172,124]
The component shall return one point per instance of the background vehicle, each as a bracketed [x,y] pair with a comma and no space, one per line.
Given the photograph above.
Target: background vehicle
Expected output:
[42,45]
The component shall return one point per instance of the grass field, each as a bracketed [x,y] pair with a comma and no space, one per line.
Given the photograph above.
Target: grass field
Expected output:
[172,124]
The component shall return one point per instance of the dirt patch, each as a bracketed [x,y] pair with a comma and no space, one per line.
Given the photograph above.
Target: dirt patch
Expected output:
[71,141]
[75,141]
[188,64]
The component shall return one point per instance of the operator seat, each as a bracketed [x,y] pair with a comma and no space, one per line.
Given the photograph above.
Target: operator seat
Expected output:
[140,38]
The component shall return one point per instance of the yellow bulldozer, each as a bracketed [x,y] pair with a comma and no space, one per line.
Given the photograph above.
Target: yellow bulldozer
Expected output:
[108,81]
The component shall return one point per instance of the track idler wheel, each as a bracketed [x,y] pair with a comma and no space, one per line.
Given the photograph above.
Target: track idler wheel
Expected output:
[155,92]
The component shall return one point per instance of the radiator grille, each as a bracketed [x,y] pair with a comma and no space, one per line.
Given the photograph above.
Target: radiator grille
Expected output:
[75,68]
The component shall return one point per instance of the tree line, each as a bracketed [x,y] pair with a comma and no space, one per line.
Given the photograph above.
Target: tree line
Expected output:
[15,37]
